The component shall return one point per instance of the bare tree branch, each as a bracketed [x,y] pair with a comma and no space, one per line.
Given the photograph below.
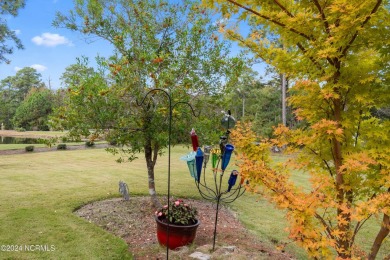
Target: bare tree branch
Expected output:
[327,227]
[359,225]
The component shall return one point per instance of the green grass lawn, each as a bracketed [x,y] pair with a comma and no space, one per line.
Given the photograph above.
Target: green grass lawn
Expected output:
[39,192]
[18,146]
[23,146]
[33,134]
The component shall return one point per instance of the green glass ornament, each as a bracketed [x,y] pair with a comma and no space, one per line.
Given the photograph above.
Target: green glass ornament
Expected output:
[214,159]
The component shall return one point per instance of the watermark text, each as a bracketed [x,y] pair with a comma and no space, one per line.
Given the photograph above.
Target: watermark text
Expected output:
[27,248]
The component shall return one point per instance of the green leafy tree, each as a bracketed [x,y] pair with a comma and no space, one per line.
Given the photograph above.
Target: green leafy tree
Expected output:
[88,105]
[337,54]
[264,109]
[170,46]
[25,80]
[238,91]
[9,7]
[8,102]
[253,99]
[75,72]
[33,112]
[14,89]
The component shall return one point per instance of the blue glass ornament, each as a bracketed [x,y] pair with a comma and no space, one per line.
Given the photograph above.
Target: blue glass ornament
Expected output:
[232,179]
[199,162]
[226,156]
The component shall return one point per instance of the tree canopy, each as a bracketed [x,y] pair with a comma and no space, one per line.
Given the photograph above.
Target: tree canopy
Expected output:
[336,53]
[9,7]
[74,72]
[33,112]
[170,46]
[13,91]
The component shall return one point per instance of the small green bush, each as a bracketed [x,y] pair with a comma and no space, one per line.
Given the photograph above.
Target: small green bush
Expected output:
[113,142]
[61,147]
[29,148]
[20,129]
[89,143]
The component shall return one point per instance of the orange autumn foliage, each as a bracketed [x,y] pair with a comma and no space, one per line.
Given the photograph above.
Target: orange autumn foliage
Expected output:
[315,216]
[336,56]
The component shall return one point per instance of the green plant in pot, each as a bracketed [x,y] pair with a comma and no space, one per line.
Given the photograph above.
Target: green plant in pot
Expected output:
[179,227]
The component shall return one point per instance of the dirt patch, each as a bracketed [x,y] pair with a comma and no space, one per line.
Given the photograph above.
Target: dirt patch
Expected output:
[134,222]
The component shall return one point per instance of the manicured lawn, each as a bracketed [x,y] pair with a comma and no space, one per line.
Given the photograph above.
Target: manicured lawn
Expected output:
[32,134]
[18,146]
[39,192]
[23,146]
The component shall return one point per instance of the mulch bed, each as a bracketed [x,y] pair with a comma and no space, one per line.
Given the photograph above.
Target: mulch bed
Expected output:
[134,222]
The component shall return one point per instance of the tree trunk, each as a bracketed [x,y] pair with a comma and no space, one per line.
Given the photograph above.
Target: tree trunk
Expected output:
[151,154]
[344,241]
[382,234]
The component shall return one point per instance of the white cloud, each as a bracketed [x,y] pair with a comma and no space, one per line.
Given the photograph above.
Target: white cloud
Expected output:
[39,67]
[17,32]
[51,40]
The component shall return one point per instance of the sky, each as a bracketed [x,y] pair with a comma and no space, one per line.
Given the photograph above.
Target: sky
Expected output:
[48,49]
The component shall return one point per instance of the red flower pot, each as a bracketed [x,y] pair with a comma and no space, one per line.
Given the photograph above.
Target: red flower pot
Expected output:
[178,235]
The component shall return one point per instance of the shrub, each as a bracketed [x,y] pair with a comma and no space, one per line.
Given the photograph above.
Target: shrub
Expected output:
[61,147]
[29,148]
[113,142]
[89,143]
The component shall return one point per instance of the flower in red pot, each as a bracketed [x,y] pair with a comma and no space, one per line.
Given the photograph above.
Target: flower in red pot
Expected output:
[179,227]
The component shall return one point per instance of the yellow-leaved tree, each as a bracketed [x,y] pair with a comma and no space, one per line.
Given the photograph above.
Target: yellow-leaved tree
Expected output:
[337,54]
